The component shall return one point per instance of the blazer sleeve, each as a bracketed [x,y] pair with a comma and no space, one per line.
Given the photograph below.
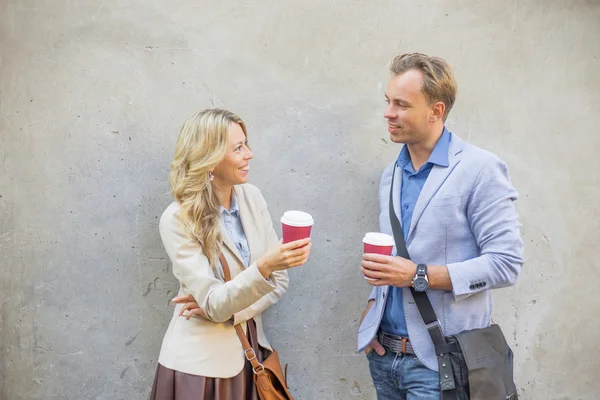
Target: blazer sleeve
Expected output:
[219,300]
[279,278]
[495,225]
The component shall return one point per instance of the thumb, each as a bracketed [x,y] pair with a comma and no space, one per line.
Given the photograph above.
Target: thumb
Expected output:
[379,349]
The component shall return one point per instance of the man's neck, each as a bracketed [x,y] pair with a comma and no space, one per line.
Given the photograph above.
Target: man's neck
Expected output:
[421,151]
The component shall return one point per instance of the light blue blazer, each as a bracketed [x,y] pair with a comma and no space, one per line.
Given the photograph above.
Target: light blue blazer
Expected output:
[465,218]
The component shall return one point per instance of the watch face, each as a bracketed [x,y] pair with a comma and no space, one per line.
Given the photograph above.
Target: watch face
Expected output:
[420,284]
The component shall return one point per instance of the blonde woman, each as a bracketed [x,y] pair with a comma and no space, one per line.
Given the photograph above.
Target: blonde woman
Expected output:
[216,211]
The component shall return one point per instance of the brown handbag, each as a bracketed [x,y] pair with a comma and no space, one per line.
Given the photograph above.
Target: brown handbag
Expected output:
[271,383]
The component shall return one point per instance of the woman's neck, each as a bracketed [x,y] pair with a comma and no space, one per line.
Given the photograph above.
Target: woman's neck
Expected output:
[225,192]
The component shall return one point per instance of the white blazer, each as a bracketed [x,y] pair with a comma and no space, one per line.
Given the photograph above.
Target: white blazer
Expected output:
[211,347]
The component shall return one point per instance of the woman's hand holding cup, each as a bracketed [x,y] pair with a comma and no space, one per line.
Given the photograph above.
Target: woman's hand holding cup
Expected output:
[294,248]
[284,256]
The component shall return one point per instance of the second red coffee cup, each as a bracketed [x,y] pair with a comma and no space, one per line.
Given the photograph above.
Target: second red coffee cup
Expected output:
[296,225]
[379,243]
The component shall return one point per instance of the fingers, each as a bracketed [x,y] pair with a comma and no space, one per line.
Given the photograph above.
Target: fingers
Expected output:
[379,349]
[373,274]
[371,281]
[183,299]
[378,258]
[196,313]
[374,278]
[297,261]
[296,257]
[188,306]
[184,309]
[295,244]
[377,274]
[368,349]
[298,252]
[300,256]
[375,266]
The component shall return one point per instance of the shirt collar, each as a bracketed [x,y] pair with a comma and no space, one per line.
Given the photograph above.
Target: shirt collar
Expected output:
[439,155]
[234,209]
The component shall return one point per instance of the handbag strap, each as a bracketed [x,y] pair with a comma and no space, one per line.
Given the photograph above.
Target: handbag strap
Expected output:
[249,352]
[447,383]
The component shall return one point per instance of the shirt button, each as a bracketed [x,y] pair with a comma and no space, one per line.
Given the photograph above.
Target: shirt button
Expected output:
[406,206]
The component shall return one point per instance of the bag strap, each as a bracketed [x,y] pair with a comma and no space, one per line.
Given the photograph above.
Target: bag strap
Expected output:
[249,352]
[421,298]
[432,324]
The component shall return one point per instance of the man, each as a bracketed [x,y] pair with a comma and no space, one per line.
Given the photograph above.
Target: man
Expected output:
[455,205]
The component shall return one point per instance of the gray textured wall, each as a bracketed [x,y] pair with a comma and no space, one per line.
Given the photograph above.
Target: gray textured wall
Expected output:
[92,97]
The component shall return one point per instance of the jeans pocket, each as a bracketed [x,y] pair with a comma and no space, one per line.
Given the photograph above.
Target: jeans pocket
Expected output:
[418,362]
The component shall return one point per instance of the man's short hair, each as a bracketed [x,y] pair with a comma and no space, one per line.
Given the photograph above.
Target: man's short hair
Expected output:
[438,79]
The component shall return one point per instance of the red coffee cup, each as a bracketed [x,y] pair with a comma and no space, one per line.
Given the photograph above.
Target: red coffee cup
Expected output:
[296,225]
[379,243]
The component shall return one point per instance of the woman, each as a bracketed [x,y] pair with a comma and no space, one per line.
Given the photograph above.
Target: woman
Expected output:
[216,211]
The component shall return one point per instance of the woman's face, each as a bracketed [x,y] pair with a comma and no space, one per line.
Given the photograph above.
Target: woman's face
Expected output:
[233,170]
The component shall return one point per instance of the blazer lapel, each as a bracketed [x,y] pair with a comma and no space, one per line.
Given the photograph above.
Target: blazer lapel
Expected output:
[437,177]
[227,240]
[245,217]
[229,244]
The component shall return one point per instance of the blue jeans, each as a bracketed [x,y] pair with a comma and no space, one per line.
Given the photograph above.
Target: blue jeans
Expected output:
[402,377]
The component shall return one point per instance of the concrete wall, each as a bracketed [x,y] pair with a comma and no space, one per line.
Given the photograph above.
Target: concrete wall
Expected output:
[92,97]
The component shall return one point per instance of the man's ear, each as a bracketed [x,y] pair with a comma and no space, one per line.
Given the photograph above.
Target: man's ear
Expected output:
[437,113]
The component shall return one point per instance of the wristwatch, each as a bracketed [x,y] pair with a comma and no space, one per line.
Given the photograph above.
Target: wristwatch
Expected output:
[420,281]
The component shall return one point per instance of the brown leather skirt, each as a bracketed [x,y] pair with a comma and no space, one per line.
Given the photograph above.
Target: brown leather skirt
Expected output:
[175,385]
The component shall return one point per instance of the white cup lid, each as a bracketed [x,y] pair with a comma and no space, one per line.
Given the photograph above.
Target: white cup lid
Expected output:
[297,218]
[378,239]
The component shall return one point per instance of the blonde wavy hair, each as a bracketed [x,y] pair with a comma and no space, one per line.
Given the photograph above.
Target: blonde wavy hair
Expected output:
[201,146]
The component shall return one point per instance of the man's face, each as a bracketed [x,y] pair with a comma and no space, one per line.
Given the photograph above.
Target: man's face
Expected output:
[408,112]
